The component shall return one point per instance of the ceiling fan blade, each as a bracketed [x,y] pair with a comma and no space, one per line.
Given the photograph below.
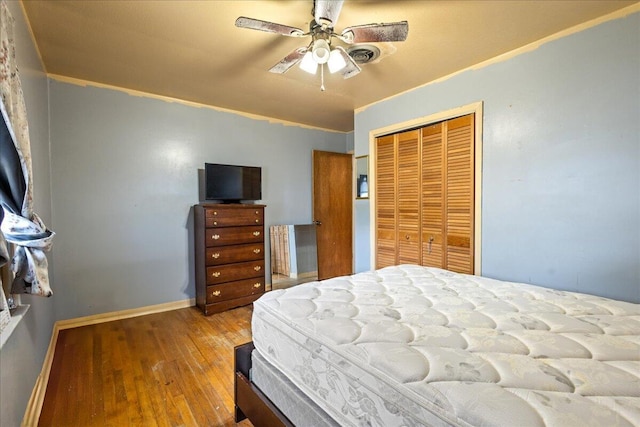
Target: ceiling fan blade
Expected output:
[351,69]
[327,11]
[289,61]
[270,27]
[371,33]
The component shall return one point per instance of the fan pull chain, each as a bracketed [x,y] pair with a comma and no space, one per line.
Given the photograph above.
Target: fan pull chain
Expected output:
[322,77]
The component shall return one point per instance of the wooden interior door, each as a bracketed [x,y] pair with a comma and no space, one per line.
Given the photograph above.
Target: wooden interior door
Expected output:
[459,190]
[385,190]
[333,212]
[433,208]
[408,197]
[425,196]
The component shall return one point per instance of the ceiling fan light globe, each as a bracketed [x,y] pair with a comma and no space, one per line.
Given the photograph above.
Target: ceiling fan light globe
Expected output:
[336,61]
[321,51]
[308,64]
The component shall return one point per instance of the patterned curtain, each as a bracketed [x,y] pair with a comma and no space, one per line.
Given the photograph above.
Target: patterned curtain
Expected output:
[20,225]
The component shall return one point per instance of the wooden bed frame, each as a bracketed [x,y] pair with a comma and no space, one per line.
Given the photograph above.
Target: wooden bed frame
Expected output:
[250,402]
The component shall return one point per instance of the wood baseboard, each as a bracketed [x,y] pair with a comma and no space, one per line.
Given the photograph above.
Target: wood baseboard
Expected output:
[34,406]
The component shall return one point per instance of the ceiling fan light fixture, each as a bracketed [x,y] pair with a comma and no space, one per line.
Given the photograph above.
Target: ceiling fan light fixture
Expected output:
[336,61]
[321,51]
[321,31]
[308,63]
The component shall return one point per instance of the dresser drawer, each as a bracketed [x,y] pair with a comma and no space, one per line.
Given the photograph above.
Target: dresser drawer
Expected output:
[230,217]
[231,290]
[233,235]
[233,272]
[218,255]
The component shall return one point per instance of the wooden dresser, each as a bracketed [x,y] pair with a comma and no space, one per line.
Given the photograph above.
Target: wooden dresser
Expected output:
[229,255]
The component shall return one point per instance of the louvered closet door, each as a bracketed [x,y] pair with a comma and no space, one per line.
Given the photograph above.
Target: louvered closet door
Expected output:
[459,190]
[425,196]
[408,197]
[385,190]
[432,196]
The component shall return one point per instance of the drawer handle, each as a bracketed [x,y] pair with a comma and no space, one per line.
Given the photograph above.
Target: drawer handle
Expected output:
[216,255]
[215,293]
[215,222]
[257,285]
[257,268]
[256,251]
[216,274]
[257,221]
[256,233]
[215,212]
[215,236]
[257,212]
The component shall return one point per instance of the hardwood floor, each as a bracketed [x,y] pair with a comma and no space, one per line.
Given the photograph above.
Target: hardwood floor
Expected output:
[166,369]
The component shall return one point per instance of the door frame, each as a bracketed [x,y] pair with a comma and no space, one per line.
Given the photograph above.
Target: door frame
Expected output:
[475,108]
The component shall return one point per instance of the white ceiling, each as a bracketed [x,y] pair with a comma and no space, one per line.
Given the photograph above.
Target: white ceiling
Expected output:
[191,50]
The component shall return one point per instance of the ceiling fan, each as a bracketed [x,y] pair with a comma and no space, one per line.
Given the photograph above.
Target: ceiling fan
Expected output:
[321,29]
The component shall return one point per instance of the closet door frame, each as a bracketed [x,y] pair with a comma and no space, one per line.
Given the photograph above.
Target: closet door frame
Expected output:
[474,108]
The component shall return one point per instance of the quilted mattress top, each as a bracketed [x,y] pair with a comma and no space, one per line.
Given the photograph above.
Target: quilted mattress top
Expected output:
[475,347]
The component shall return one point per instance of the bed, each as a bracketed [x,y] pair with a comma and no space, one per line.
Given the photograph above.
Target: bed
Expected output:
[411,346]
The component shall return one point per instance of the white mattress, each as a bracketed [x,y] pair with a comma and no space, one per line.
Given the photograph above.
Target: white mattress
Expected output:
[411,345]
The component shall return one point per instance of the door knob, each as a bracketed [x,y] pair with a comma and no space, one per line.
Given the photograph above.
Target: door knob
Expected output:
[317,222]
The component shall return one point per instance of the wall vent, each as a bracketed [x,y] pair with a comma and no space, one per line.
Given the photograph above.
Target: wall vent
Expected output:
[363,54]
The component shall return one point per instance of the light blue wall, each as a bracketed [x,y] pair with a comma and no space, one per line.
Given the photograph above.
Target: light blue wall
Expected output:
[349,141]
[561,159]
[125,176]
[22,355]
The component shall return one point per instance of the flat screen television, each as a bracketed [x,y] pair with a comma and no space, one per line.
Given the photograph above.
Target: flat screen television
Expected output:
[232,183]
